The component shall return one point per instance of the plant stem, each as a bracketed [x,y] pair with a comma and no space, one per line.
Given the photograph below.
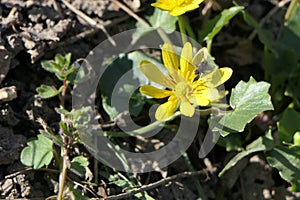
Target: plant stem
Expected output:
[182,29]
[188,28]
[208,46]
[63,173]
[64,149]
[196,181]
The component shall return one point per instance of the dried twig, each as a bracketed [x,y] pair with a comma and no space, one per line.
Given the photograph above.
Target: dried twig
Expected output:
[131,13]
[268,16]
[154,185]
[92,22]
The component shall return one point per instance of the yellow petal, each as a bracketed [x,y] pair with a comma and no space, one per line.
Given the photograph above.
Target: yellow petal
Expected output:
[155,92]
[177,11]
[166,110]
[154,74]
[170,58]
[186,68]
[163,5]
[217,77]
[187,109]
[202,100]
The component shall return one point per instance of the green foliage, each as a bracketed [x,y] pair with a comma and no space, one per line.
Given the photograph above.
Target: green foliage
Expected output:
[285,160]
[77,194]
[261,144]
[288,125]
[61,66]
[130,182]
[79,119]
[282,69]
[46,91]
[296,138]
[231,142]
[79,164]
[168,24]
[225,16]
[247,100]
[128,64]
[38,153]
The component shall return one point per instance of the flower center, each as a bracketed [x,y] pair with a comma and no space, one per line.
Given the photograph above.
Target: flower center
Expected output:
[182,89]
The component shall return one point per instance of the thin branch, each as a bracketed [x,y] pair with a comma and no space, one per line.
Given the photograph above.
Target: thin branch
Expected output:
[154,185]
[131,13]
[89,20]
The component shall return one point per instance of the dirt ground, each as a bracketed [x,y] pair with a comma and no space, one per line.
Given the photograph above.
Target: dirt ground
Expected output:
[32,31]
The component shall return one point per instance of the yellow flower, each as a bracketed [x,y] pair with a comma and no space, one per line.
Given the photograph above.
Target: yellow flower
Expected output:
[177,7]
[184,88]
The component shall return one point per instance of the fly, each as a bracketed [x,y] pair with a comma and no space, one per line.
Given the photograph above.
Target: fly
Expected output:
[201,67]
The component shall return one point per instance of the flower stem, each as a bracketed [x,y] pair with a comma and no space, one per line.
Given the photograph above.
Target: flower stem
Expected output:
[208,45]
[182,29]
[188,28]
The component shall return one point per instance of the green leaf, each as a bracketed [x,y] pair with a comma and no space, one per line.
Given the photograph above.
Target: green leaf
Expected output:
[124,65]
[288,125]
[77,194]
[226,16]
[65,128]
[247,100]
[51,66]
[46,91]
[287,162]
[59,59]
[79,164]
[262,143]
[208,28]
[296,138]
[62,111]
[38,153]
[55,138]
[231,142]
[159,19]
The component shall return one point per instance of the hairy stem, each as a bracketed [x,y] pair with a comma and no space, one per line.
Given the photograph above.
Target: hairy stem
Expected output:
[64,149]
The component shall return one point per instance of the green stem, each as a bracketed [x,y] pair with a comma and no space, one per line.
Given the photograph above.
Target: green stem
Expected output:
[208,46]
[182,29]
[188,28]
[196,181]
